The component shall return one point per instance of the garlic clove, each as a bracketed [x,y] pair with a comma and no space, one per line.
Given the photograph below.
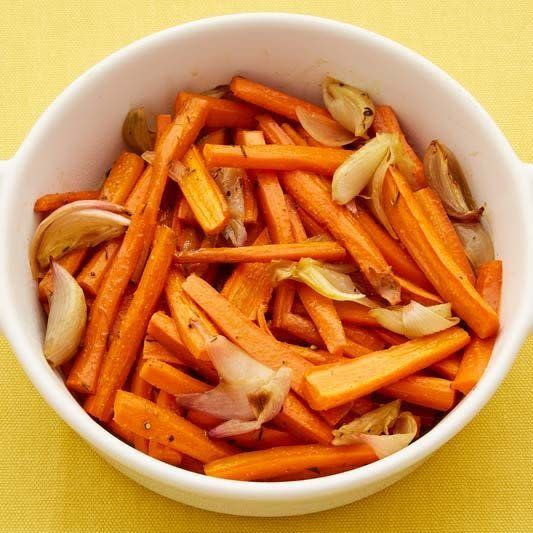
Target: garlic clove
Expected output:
[135,131]
[323,129]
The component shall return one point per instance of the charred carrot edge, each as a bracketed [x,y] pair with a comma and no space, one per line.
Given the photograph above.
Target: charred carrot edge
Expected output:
[51,202]
[325,317]
[162,328]
[219,136]
[158,450]
[141,388]
[249,287]
[325,251]
[243,332]
[269,98]
[170,379]
[426,391]
[391,338]
[335,415]
[266,464]
[92,274]
[431,203]
[153,349]
[175,142]
[203,195]
[148,420]
[401,262]
[417,234]
[124,173]
[308,139]
[222,113]
[385,121]
[447,368]
[365,337]
[477,355]
[410,291]
[323,160]
[187,315]
[330,385]
[123,349]
[296,138]
[185,213]
[312,227]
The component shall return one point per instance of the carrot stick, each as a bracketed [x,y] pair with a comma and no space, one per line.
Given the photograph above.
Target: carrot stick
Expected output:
[272,131]
[251,211]
[365,337]
[124,173]
[156,449]
[203,195]
[174,143]
[362,406]
[51,202]
[427,391]
[283,301]
[301,328]
[325,251]
[385,121]
[153,349]
[325,317]
[137,198]
[401,262]
[336,414]
[141,388]
[250,285]
[123,349]
[271,99]
[432,205]
[185,213]
[219,136]
[312,227]
[122,433]
[263,439]
[162,328]
[410,291]
[170,379]
[417,234]
[296,138]
[391,338]
[186,315]
[297,228]
[477,355]
[330,385]
[162,123]
[448,368]
[150,421]
[323,161]
[354,313]
[202,420]
[265,464]
[222,113]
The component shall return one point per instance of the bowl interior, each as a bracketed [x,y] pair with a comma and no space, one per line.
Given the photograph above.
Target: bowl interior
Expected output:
[78,138]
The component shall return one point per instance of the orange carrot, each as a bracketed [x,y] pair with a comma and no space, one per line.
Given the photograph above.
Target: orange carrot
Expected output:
[265,464]
[148,420]
[477,355]
[162,328]
[222,113]
[297,228]
[51,202]
[401,262]
[301,328]
[432,205]
[174,143]
[336,414]
[185,213]
[123,349]
[170,379]
[323,161]
[364,337]
[312,227]
[283,301]
[251,211]
[250,285]
[427,391]
[417,234]
[141,388]
[137,198]
[362,406]
[324,315]
[162,123]
[271,99]
[219,136]
[153,349]
[121,180]
[272,131]
[294,135]
[122,433]
[391,338]
[202,420]
[263,439]
[330,385]
[448,368]
[325,251]
[385,121]
[410,291]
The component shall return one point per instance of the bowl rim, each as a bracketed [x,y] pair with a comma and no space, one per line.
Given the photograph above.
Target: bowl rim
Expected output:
[190,482]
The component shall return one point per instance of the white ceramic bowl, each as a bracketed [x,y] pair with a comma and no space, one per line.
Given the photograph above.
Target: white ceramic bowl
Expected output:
[79,135]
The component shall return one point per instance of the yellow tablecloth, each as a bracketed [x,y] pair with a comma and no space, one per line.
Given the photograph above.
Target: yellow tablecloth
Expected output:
[51,481]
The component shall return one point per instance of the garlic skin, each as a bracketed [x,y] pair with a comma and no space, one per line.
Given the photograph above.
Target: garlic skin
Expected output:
[349,106]
[135,131]
[477,242]
[323,129]
[67,317]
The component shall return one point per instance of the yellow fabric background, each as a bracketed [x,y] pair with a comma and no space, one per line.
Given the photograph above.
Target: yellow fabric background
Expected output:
[49,478]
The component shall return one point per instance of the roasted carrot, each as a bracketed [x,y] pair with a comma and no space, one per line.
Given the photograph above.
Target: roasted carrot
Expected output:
[51,202]
[325,251]
[330,385]
[325,317]
[336,414]
[364,337]
[271,99]
[137,198]
[174,143]
[148,420]
[162,123]
[123,349]
[219,136]
[477,355]
[426,391]
[362,405]
[283,301]
[251,210]
[263,439]
[122,433]
[170,379]
[202,420]
[323,160]
[447,368]
[297,228]
[312,228]
[121,180]
[417,234]
[390,338]
[401,262]
[141,388]
[302,328]
[385,121]
[266,464]
[432,205]
[294,135]
[410,291]
[153,349]
[222,113]
[185,213]
[162,328]
[249,287]
[272,131]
